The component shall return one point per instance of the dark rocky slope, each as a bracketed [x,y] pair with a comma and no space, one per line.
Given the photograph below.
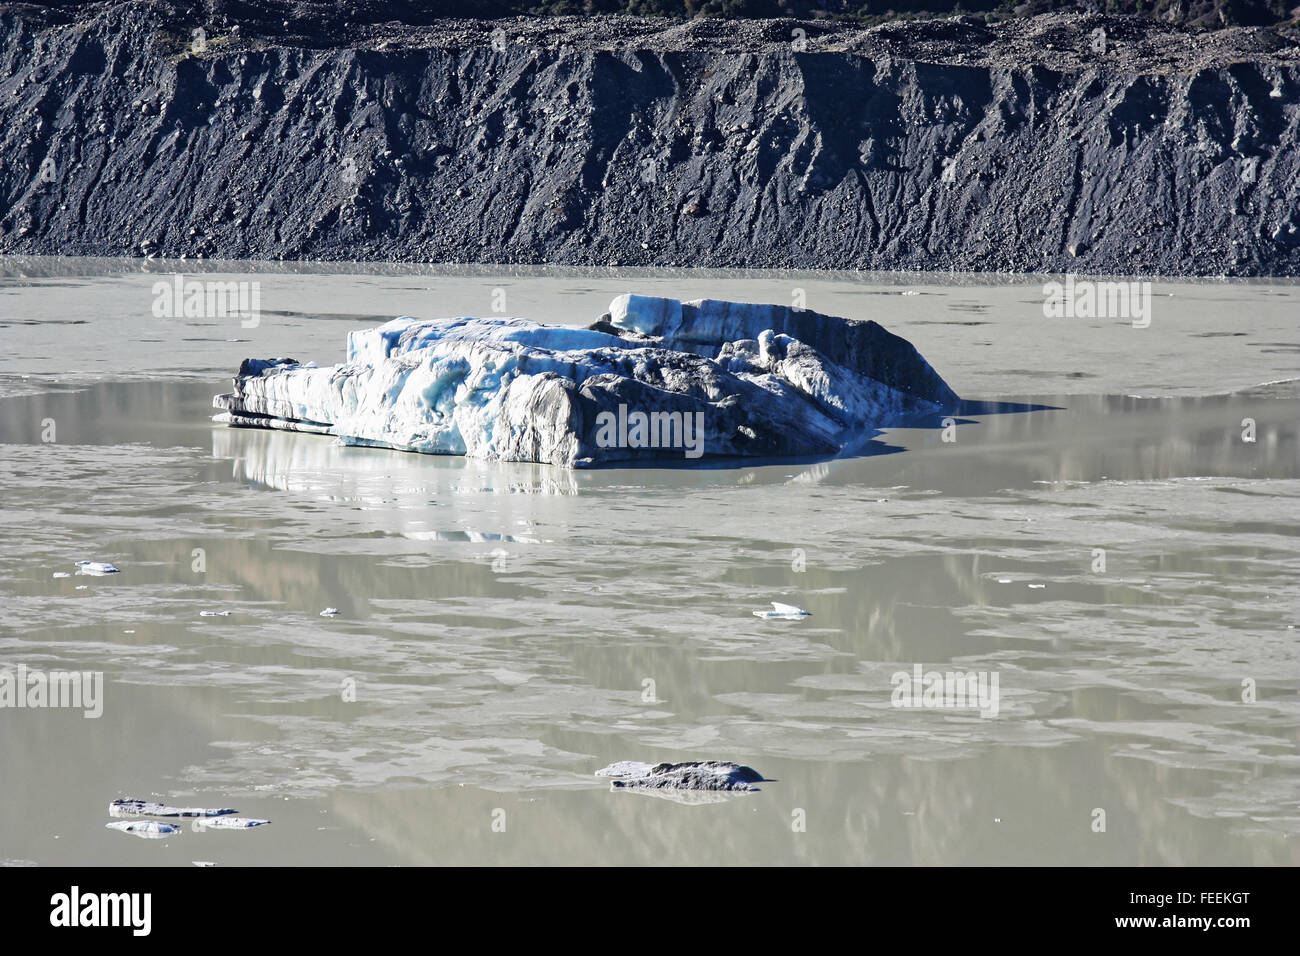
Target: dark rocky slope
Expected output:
[926,145]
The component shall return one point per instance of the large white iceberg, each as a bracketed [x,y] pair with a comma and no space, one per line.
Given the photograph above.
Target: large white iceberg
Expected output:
[654,378]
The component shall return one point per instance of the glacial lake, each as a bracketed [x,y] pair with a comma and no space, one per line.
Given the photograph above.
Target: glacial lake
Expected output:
[1124,562]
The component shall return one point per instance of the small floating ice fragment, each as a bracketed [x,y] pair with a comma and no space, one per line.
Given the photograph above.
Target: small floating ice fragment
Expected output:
[96,567]
[330,612]
[1037,587]
[232,823]
[786,611]
[203,863]
[1004,580]
[710,775]
[62,574]
[148,829]
[214,614]
[146,808]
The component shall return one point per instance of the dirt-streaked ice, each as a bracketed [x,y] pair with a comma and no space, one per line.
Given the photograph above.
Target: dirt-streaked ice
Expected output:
[654,378]
[712,775]
[146,808]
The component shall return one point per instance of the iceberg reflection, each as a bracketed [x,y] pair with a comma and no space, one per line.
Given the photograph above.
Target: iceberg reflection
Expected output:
[310,464]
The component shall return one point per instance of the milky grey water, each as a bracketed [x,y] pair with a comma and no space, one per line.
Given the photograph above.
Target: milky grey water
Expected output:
[506,630]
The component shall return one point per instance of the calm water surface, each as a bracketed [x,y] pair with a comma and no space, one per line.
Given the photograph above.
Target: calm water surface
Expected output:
[509,629]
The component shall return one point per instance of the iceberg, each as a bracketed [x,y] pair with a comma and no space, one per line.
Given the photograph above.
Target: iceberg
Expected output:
[654,378]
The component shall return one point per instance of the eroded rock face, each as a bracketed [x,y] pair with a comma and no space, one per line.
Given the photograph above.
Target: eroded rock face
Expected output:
[702,775]
[655,379]
[1047,144]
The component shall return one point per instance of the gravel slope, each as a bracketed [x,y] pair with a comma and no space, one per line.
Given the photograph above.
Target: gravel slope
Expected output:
[938,145]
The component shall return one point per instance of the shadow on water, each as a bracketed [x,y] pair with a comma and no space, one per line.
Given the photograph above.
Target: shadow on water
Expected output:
[971,407]
[864,446]
[957,416]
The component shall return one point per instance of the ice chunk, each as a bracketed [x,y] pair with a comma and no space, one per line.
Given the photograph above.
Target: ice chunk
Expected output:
[214,614]
[146,808]
[625,768]
[713,775]
[231,823]
[96,567]
[647,314]
[148,829]
[783,611]
[330,612]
